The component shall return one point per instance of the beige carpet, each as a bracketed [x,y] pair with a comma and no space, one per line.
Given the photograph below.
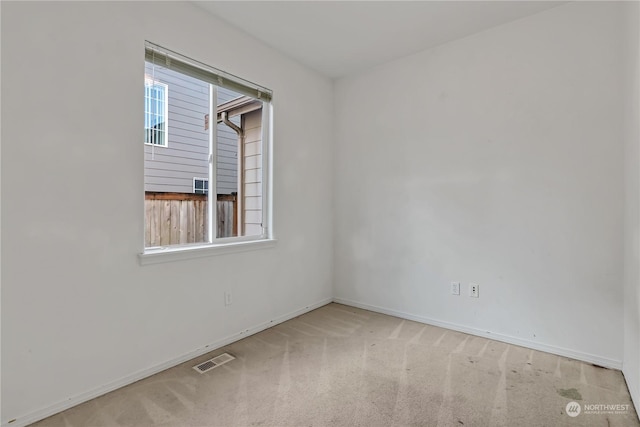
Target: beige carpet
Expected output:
[343,366]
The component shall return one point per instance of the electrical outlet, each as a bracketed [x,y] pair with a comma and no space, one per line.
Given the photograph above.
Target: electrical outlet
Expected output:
[228,298]
[474,290]
[455,288]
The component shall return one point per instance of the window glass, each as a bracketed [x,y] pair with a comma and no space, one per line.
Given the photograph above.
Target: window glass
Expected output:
[183,158]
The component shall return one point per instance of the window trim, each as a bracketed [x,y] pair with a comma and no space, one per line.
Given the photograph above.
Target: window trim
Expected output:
[219,246]
[164,254]
[148,80]
[160,55]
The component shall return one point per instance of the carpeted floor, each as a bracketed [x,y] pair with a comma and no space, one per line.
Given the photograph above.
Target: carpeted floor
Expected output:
[342,366]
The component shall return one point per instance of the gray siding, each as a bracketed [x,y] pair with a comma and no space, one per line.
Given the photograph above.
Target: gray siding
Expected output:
[172,168]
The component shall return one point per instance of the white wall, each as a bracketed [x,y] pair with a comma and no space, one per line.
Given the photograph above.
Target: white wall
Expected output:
[78,311]
[631,365]
[495,159]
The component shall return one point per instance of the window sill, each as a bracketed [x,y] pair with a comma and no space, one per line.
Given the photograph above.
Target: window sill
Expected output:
[178,253]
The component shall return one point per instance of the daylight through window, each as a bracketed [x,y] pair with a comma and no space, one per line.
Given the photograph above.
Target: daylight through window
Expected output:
[206,153]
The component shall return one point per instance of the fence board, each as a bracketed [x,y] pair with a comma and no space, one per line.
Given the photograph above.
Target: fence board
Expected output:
[183,223]
[147,223]
[175,222]
[198,221]
[149,219]
[191,224]
[226,218]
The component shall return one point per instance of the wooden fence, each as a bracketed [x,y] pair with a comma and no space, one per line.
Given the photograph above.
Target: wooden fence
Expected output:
[181,218]
[227,214]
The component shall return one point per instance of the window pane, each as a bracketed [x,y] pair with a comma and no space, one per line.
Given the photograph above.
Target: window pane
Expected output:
[180,131]
[176,206]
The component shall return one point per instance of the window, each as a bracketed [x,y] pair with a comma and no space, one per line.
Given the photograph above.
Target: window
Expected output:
[209,186]
[200,185]
[155,112]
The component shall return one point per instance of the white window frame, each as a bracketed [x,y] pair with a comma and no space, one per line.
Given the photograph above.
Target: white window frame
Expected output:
[195,178]
[150,81]
[226,245]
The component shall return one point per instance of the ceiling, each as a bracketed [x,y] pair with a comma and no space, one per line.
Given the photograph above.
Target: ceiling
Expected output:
[338,38]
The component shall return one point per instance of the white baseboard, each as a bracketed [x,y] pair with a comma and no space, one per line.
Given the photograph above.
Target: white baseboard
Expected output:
[560,351]
[137,376]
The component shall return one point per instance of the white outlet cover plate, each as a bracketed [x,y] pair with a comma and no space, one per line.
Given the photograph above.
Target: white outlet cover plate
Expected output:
[455,288]
[473,286]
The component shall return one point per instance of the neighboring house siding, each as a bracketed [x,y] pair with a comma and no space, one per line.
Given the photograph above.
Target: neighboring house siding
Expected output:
[252,125]
[227,161]
[172,168]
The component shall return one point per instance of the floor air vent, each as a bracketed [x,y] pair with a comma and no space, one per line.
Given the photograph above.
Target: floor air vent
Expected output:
[213,363]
